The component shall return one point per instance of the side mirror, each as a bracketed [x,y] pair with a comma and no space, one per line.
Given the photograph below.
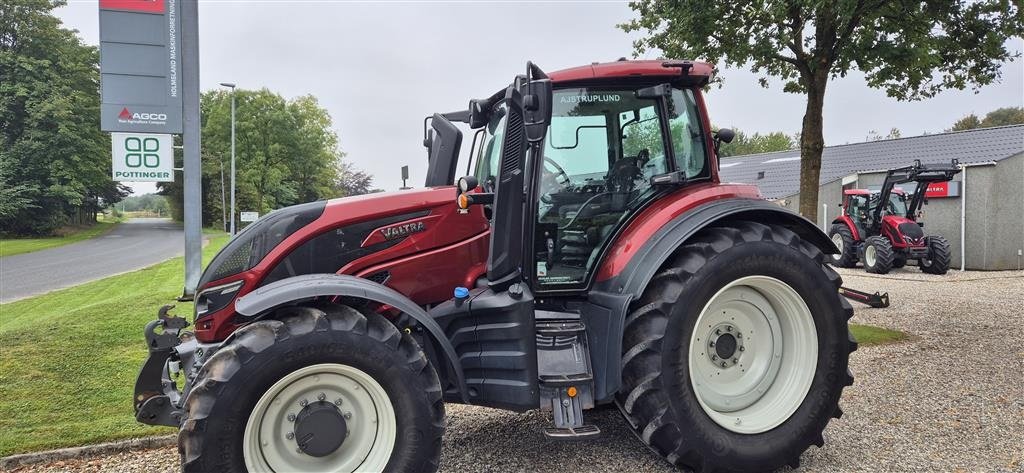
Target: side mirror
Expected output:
[537,108]
[725,135]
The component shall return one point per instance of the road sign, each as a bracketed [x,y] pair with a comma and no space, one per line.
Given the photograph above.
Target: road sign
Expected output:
[143,157]
[249,216]
[139,66]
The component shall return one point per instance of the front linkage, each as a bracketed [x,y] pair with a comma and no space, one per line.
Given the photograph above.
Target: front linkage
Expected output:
[157,397]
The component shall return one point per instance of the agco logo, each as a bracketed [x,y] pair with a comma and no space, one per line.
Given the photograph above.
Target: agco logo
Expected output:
[127,115]
[398,231]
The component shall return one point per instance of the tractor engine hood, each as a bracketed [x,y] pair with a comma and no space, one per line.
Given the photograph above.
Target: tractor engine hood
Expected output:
[344,236]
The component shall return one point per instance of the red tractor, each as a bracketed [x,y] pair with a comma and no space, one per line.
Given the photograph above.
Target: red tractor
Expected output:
[592,258]
[880,228]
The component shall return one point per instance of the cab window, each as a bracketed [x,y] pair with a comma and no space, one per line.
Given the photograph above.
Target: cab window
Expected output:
[602,148]
[687,133]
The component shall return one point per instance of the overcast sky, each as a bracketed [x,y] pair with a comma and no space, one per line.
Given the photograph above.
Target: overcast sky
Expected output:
[379,68]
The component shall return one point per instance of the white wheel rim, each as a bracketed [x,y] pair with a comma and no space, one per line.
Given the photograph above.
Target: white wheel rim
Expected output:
[774,360]
[837,240]
[869,255]
[370,421]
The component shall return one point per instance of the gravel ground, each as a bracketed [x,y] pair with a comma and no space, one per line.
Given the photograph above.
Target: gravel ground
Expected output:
[950,399]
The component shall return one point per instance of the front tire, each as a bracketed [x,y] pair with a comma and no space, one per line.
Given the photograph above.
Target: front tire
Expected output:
[878,255]
[320,389]
[770,297]
[939,256]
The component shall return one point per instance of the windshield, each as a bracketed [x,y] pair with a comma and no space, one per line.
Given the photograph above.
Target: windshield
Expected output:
[897,205]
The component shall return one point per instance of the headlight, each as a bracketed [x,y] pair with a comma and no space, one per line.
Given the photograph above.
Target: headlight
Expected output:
[216,298]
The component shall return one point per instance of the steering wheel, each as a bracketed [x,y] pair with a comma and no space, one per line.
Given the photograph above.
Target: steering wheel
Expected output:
[561,172]
[561,178]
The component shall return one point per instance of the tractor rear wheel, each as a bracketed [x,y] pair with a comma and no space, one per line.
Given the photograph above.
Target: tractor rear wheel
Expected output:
[878,255]
[939,256]
[736,355]
[319,389]
[842,237]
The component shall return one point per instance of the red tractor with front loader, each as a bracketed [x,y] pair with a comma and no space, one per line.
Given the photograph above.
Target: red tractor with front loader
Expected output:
[880,228]
[591,258]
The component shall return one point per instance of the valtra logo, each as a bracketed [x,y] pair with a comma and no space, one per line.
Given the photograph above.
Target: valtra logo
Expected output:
[143,118]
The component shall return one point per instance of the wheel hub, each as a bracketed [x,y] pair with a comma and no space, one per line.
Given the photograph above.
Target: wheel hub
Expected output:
[320,428]
[725,346]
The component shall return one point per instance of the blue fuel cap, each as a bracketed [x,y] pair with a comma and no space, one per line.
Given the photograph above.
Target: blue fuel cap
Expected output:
[461,292]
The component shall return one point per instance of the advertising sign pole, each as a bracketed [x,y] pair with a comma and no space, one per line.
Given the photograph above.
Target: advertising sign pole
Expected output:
[191,140]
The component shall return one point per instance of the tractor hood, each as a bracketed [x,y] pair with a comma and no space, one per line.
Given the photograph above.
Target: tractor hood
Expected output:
[342,236]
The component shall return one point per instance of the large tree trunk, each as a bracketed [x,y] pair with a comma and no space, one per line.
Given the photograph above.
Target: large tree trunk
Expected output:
[811,144]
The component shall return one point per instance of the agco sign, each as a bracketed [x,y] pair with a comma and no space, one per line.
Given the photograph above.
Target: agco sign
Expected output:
[127,115]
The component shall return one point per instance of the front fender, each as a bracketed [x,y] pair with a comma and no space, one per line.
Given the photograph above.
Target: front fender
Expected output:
[308,286]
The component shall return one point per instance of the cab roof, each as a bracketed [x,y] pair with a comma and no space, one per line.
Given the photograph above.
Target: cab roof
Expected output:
[895,190]
[697,72]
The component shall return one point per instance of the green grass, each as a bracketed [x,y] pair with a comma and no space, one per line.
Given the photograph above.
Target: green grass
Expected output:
[68,359]
[870,335]
[14,246]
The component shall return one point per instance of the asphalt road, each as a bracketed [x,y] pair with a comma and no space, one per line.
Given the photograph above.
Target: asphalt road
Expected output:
[132,245]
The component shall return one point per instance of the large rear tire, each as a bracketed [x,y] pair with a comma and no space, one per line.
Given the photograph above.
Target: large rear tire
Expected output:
[319,389]
[878,255]
[939,256]
[765,298]
[842,237]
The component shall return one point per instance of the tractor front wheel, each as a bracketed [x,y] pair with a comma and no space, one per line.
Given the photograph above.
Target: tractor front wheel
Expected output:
[939,256]
[878,255]
[318,389]
[842,237]
[736,355]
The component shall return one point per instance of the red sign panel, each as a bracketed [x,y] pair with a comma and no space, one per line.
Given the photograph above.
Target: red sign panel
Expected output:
[937,189]
[142,6]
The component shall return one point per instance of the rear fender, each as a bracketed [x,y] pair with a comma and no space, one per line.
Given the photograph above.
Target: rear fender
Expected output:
[846,220]
[653,253]
[608,304]
[299,288]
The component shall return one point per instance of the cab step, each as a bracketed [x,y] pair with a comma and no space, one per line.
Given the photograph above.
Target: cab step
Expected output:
[585,432]
[565,377]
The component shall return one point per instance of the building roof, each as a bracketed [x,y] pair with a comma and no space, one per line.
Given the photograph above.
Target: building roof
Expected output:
[781,169]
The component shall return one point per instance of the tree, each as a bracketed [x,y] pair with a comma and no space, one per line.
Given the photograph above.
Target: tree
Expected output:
[743,144]
[911,49]
[999,117]
[286,153]
[54,161]
[352,181]
[969,122]
[876,136]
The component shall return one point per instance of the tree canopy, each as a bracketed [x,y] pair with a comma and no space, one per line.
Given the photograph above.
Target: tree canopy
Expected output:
[743,143]
[286,153]
[910,49]
[998,117]
[54,161]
